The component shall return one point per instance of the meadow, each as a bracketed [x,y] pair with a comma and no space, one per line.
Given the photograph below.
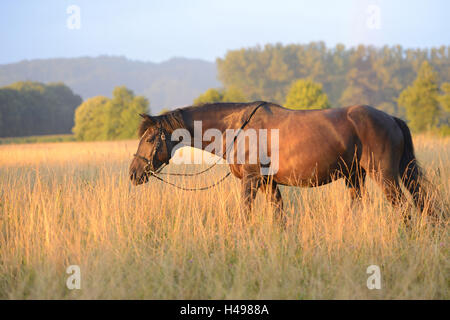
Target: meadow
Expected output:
[72,203]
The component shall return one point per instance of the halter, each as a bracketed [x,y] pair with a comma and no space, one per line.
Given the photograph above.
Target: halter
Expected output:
[149,168]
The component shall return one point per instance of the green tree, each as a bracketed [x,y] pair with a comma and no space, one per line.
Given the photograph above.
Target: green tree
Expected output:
[445,98]
[33,108]
[129,119]
[421,99]
[233,94]
[209,96]
[100,118]
[90,119]
[306,94]
[164,111]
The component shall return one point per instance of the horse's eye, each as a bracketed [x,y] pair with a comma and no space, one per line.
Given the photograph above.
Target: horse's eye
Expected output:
[150,139]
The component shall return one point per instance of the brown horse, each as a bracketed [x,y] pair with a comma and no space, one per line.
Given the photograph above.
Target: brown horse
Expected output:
[315,147]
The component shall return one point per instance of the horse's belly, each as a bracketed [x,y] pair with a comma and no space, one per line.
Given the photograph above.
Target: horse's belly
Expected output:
[306,178]
[316,156]
[313,168]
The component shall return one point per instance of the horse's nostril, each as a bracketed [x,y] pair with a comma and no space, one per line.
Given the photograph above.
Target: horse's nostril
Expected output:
[133,175]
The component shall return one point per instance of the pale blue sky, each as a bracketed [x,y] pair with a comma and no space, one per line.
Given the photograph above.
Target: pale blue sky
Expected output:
[158,30]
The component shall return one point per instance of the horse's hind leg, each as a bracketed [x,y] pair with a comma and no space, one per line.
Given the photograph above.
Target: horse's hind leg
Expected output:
[273,194]
[393,192]
[355,182]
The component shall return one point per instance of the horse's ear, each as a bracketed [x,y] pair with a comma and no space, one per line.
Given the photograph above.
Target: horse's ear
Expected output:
[147,117]
[146,123]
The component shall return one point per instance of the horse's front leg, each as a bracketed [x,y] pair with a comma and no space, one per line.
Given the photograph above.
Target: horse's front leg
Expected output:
[273,194]
[249,187]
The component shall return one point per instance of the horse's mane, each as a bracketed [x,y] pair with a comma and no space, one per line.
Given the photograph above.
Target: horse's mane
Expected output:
[173,120]
[169,121]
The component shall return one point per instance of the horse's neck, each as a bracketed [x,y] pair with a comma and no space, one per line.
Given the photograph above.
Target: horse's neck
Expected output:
[209,117]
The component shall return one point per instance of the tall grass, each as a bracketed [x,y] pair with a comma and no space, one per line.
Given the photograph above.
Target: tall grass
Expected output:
[72,204]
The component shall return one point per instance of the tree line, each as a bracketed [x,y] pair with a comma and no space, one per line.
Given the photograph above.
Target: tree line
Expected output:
[32,108]
[363,74]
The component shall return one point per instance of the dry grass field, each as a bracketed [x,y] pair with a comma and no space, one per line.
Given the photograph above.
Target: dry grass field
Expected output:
[72,203]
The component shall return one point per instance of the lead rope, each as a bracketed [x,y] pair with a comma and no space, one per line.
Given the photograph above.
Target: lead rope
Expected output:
[193,189]
[155,173]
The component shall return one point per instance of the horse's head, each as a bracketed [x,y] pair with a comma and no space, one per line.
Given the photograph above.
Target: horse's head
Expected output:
[153,151]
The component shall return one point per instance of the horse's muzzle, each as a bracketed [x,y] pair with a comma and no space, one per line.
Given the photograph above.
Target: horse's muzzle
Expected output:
[137,179]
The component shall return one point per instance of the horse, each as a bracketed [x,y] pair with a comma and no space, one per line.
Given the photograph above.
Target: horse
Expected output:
[316,147]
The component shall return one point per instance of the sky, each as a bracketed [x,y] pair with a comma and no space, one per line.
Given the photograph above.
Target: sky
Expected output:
[159,30]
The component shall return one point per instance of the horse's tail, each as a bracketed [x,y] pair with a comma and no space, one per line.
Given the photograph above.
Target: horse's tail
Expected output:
[411,173]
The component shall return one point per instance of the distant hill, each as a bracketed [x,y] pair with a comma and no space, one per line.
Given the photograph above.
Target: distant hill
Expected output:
[168,84]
